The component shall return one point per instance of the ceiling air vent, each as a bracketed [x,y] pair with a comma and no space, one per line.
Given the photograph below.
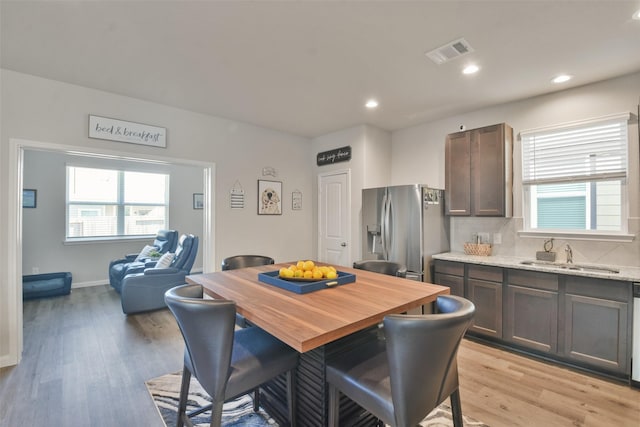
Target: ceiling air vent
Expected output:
[449,51]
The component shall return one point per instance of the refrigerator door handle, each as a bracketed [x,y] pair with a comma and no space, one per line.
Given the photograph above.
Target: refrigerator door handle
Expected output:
[383,228]
[386,221]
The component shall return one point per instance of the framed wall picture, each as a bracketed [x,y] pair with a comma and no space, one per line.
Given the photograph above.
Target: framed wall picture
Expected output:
[269,197]
[296,200]
[29,198]
[198,201]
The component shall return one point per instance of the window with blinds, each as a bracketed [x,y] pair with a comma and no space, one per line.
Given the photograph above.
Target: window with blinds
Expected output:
[574,175]
[115,203]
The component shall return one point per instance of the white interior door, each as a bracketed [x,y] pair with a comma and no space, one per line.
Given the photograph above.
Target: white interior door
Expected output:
[334,217]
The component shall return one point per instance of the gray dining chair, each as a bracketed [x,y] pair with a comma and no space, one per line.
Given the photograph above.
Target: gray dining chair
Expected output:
[226,363]
[400,379]
[242,261]
[384,267]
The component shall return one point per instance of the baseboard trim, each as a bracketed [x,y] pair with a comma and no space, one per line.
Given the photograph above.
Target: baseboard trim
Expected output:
[75,285]
[8,360]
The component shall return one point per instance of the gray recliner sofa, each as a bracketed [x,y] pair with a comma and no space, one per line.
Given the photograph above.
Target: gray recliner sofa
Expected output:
[144,291]
[165,241]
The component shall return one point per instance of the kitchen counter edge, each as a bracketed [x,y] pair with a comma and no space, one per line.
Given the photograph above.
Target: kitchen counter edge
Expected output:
[627,274]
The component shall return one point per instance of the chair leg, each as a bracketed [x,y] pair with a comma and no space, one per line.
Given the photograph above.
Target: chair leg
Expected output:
[184,395]
[334,406]
[291,397]
[216,414]
[456,409]
[256,399]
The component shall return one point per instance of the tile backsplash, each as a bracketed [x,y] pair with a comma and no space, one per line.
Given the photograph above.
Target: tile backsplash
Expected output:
[464,229]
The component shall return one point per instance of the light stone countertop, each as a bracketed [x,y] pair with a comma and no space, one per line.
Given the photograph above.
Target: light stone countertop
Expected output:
[629,274]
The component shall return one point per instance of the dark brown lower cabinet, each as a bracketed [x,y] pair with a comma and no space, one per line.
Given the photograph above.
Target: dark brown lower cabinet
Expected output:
[582,321]
[450,274]
[597,320]
[531,318]
[484,288]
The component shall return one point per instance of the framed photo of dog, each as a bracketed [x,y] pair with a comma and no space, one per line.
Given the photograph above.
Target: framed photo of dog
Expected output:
[269,197]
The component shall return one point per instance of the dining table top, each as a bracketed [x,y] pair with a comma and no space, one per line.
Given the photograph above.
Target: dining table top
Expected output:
[309,320]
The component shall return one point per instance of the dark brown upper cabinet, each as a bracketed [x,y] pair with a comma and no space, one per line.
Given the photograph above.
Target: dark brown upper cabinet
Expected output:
[479,172]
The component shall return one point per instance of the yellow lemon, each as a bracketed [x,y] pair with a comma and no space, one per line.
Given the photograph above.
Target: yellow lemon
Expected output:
[300,265]
[298,273]
[285,272]
[332,275]
[308,274]
[324,270]
[317,274]
[308,265]
[332,268]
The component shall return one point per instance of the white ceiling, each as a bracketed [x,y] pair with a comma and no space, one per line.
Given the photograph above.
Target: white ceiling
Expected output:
[307,67]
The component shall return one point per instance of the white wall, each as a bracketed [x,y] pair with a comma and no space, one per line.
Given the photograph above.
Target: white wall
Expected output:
[52,112]
[43,233]
[418,155]
[370,167]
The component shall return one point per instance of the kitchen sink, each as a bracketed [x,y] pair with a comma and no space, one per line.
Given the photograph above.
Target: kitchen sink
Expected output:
[574,267]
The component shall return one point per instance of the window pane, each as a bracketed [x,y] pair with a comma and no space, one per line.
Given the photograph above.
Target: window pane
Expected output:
[576,206]
[566,213]
[145,187]
[112,203]
[609,205]
[92,185]
[92,220]
[144,219]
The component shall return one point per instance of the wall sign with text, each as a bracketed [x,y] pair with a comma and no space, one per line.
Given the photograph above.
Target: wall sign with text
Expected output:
[342,154]
[121,131]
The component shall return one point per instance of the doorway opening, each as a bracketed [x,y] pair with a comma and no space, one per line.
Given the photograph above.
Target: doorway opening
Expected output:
[14,271]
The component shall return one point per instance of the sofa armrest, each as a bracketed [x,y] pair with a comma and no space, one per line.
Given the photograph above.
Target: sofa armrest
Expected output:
[155,271]
[142,292]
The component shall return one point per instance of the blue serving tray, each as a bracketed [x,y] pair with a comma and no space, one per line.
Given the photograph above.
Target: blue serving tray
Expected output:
[305,286]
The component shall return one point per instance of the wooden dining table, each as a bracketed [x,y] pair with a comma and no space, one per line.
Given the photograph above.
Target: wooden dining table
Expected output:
[319,324]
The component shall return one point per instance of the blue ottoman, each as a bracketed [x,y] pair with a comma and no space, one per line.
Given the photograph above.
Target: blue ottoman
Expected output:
[46,285]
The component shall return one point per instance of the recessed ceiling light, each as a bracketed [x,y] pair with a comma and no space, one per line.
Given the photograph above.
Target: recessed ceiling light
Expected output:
[372,103]
[470,69]
[636,15]
[561,78]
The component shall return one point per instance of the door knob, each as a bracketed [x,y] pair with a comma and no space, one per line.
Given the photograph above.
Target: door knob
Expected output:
[343,244]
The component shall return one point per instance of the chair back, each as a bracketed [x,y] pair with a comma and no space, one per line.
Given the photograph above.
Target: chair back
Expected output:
[380,266]
[242,261]
[166,241]
[185,253]
[421,352]
[207,327]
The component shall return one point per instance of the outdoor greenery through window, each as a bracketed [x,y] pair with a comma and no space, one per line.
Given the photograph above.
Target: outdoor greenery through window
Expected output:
[115,203]
[574,176]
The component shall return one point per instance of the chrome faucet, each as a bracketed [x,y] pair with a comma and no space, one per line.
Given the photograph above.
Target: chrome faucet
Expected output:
[569,253]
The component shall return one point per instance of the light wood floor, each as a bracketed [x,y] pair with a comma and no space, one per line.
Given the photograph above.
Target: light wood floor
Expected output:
[85,364]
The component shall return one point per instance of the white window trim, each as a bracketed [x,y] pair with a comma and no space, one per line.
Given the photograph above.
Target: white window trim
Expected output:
[621,236]
[110,239]
[609,237]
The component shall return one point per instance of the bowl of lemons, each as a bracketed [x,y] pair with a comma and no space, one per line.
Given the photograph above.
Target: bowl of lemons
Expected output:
[307,271]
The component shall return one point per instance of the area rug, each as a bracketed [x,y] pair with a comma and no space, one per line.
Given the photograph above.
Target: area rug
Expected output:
[165,391]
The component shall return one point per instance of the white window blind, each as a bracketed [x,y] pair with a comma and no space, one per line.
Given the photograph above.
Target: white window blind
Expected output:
[593,150]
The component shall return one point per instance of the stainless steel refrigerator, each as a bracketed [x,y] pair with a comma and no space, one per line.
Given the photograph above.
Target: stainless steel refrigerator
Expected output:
[405,224]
